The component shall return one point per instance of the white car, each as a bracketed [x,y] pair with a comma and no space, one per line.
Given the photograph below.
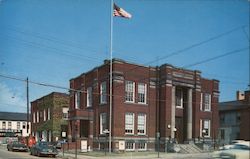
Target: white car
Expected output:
[238,151]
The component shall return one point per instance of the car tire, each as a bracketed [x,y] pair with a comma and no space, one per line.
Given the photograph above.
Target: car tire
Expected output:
[38,154]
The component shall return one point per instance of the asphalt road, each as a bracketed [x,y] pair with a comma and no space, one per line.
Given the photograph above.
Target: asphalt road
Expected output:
[5,154]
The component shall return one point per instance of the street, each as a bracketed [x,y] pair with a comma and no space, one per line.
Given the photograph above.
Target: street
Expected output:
[4,154]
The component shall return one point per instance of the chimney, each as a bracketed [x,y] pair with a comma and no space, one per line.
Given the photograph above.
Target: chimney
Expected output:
[240,95]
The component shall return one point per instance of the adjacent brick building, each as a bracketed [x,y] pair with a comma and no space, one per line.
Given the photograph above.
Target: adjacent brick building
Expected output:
[235,118]
[175,102]
[49,116]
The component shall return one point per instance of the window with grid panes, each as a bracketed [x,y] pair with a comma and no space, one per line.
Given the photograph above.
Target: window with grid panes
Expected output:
[179,98]
[103,93]
[129,145]
[9,125]
[4,125]
[77,100]
[129,91]
[89,97]
[142,145]
[205,125]
[129,123]
[141,125]
[142,91]
[18,125]
[103,122]
[207,102]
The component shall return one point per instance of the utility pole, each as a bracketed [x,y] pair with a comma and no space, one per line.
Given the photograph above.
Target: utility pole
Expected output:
[28,110]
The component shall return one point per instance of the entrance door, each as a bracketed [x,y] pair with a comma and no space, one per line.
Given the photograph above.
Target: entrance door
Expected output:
[179,134]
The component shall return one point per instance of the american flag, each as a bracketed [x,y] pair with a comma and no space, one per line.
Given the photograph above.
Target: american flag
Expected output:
[119,12]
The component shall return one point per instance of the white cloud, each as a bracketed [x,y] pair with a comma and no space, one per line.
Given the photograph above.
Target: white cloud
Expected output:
[11,100]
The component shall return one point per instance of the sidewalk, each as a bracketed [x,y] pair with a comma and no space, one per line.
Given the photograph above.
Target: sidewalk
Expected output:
[133,155]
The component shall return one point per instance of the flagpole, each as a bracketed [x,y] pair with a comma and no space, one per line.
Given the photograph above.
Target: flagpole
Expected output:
[111,75]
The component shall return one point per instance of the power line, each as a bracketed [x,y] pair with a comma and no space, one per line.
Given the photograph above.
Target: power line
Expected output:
[215,57]
[82,91]
[50,38]
[56,50]
[190,47]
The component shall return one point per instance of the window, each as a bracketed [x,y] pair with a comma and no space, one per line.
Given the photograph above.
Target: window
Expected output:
[103,93]
[179,98]
[141,126]
[205,128]
[207,102]
[89,97]
[48,113]
[201,102]
[37,116]
[129,91]
[4,125]
[24,124]
[9,125]
[65,113]
[77,100]
[103,122]
[44,115]
[129,123]
[142,92]
[142,145]
[129,145]
[34,117]
[18,125]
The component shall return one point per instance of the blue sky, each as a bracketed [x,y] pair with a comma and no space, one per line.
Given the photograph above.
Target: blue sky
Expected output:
[54,41]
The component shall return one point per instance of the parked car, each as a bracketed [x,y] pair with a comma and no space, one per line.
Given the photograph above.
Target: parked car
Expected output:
[43,149]
[17,146]
[231,145]
[238,151]
[59,143]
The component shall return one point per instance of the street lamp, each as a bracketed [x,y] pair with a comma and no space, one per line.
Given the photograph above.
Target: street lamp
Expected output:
[175,133]
[203,135]
[106,132]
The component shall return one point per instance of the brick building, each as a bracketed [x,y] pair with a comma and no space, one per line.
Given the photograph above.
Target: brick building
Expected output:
[235,118]
[177,103]
[49,115]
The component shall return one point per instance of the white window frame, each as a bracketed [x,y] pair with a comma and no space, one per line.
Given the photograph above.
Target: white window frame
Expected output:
[49,115]
[129,125]
[18,125]
[9,125]
[142,91]
[103,93]
[207,102]
[145,146]
[139,125]
[202,127]
[37,116]
[89,97]
[44,115]
[181,90]
[4,125]
[128,92]
[130,149]
[201,102]
[103,118]
[77,100]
